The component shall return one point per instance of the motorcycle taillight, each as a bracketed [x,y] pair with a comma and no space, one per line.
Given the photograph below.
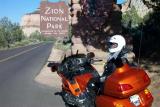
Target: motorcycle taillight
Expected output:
[124,87]
[148,94]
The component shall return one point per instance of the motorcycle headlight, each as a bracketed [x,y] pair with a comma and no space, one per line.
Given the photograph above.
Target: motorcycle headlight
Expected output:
[82,97]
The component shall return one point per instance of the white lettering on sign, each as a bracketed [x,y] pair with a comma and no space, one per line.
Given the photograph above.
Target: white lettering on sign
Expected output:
[55,19]
[49,10]
[54,26]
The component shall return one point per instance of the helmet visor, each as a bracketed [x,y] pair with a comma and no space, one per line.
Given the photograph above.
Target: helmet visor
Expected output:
[112,45]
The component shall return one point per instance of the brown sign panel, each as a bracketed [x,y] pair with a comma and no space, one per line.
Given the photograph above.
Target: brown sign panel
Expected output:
[54,20]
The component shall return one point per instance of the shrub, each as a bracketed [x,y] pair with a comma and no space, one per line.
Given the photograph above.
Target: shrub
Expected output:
[131,18]
[59,44]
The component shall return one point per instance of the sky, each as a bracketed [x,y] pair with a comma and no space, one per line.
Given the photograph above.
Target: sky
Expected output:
[15,9]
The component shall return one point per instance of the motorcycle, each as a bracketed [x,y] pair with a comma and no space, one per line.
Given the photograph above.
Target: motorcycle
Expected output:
[81,86]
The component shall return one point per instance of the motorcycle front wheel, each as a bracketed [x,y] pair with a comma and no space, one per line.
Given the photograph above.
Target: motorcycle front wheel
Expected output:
[68,105]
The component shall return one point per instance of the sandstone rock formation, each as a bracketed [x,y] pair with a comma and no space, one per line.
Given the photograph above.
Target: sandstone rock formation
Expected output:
[139,5]
[31,22]
[141,8]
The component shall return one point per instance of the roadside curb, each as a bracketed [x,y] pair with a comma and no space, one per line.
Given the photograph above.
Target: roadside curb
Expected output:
[46,77]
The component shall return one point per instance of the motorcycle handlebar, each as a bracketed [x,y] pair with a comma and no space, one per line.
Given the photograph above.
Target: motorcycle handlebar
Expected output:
[95,60]
[98,60]
[52,63]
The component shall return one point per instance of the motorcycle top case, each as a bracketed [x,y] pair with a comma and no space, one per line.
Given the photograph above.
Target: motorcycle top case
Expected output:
[126,81]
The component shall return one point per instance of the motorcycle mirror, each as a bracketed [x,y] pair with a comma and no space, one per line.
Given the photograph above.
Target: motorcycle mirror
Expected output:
[72,43]
[90,55]
[77,52]
[53,66]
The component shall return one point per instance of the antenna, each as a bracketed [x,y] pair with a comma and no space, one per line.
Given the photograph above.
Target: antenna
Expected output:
[77,52]
[71,50]
[139,54]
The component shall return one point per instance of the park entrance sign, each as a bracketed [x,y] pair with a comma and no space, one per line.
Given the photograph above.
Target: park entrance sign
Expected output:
[54,19]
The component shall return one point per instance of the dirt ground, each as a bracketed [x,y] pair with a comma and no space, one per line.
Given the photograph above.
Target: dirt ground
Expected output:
[155,88]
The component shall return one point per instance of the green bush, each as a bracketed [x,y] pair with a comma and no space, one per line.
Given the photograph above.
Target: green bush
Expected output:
[131,18]
[59,44]
[36,36]
[39,37]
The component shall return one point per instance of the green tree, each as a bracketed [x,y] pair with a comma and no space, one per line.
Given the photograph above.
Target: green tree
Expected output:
[2,38]
[9,33]
[17,33]
[36,35]
[146,34]
[7,26]
[131,18]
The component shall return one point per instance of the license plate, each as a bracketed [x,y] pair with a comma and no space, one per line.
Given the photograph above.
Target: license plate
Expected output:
[135,100]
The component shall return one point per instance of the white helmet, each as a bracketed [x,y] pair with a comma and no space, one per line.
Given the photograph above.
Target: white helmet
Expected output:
[116,43]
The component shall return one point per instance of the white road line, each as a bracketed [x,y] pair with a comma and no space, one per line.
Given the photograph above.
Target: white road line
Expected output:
[23,52]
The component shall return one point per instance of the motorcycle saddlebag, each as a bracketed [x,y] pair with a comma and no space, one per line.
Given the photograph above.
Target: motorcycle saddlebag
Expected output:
[126,81]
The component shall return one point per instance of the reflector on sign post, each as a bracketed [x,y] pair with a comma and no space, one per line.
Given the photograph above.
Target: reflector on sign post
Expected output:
[121,1]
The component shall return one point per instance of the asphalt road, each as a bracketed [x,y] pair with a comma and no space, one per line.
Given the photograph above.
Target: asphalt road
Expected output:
[18,68]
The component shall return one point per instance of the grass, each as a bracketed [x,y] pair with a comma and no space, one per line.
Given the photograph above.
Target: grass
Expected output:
[22,43]
[61,46]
